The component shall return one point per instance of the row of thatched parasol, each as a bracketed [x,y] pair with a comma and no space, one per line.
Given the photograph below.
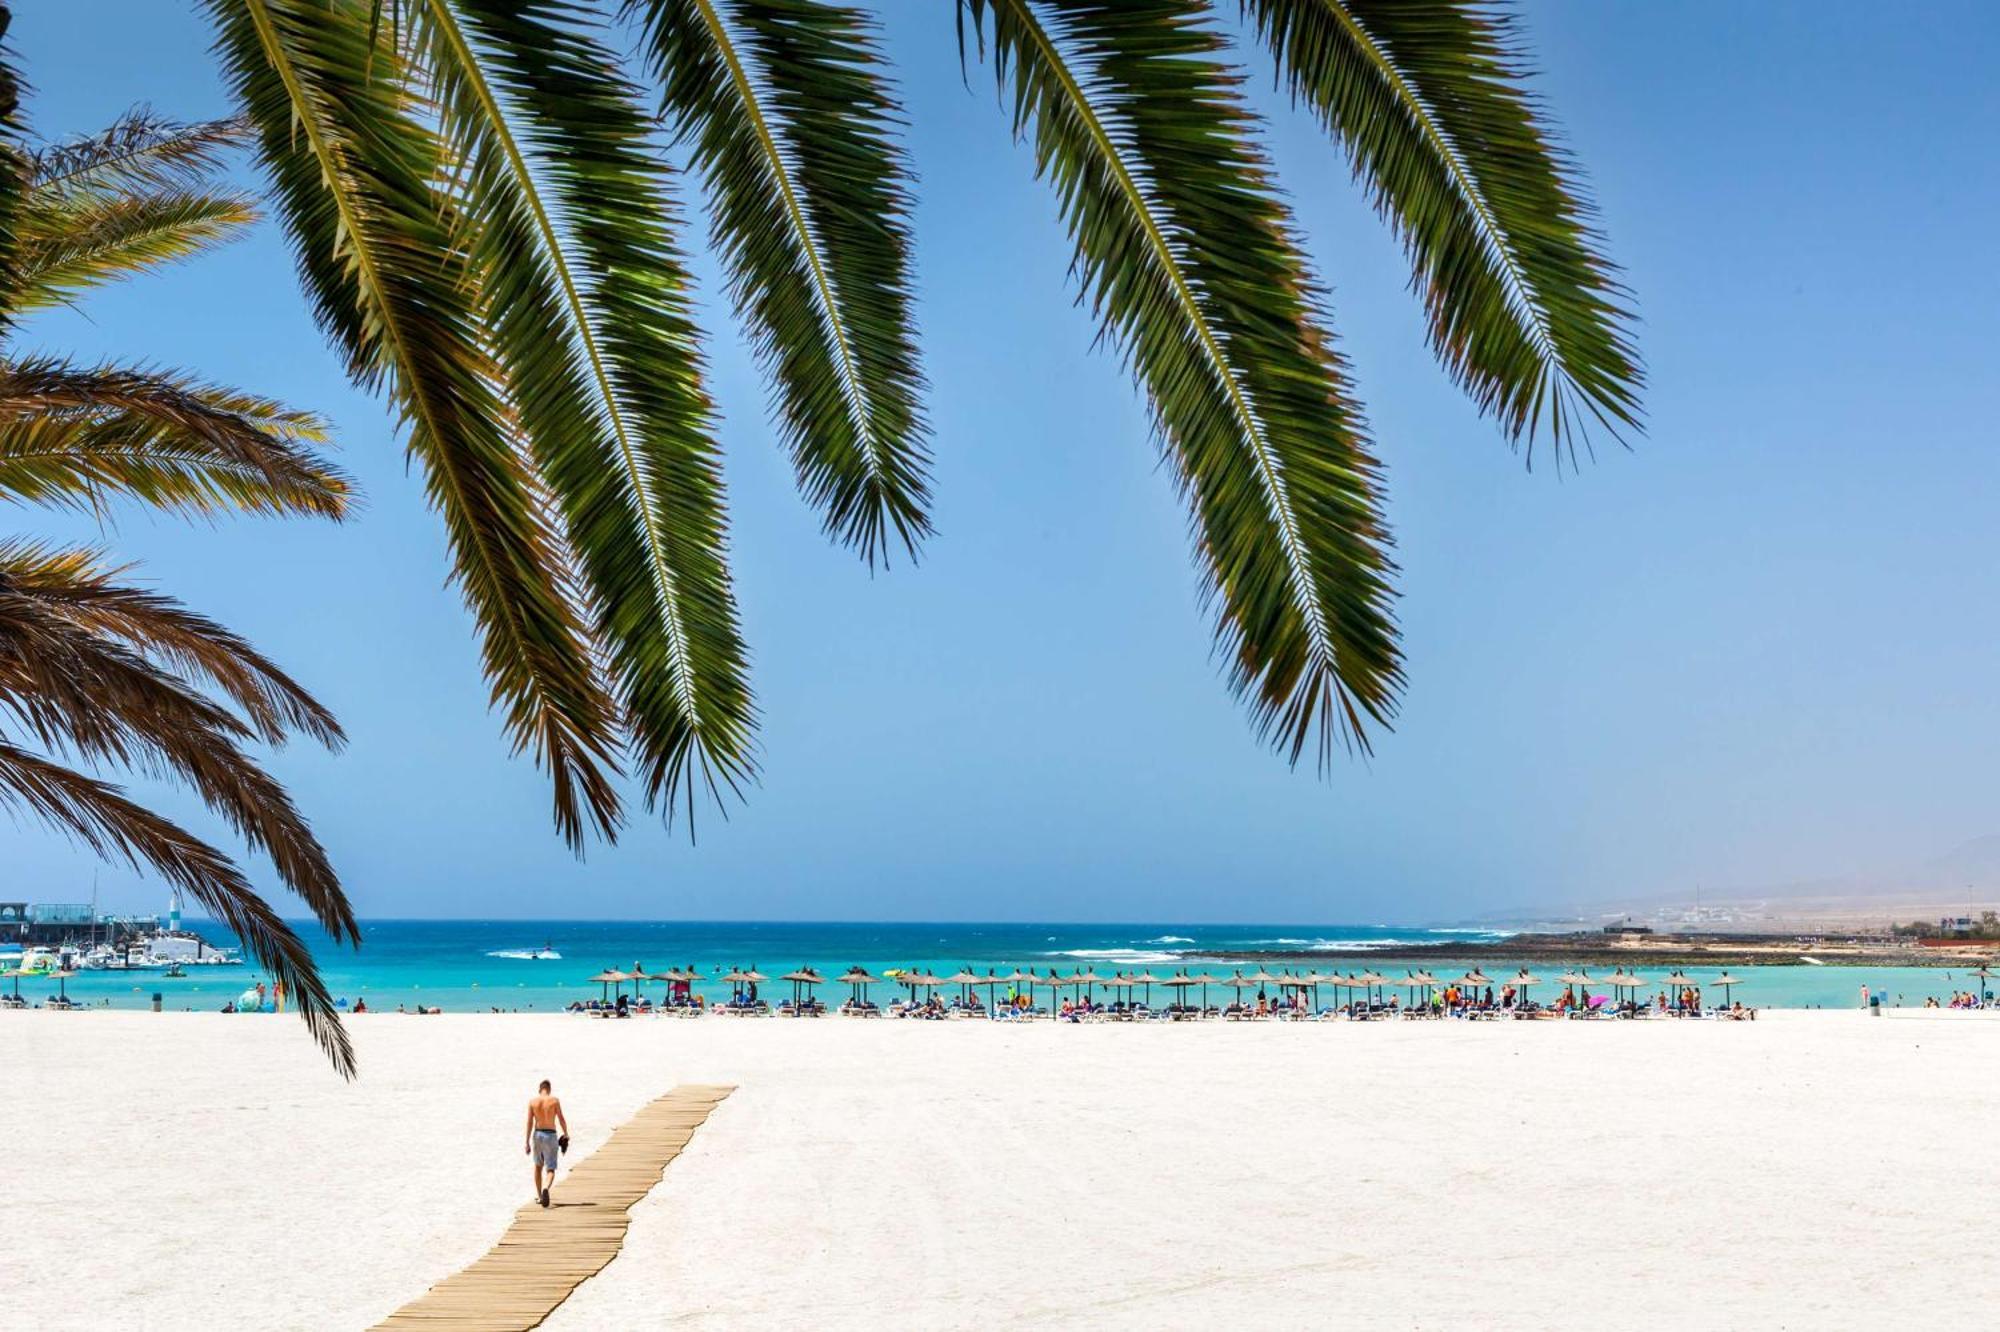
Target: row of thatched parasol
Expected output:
[858,979]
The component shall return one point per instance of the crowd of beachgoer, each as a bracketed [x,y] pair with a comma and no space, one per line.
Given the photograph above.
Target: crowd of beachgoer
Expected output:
[1959,999]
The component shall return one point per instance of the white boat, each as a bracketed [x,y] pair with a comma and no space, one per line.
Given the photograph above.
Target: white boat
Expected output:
[543,954]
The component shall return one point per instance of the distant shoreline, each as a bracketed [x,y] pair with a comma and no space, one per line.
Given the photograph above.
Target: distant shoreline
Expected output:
[1649,950]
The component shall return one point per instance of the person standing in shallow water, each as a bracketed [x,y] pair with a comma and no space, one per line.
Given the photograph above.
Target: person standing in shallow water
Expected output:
[543,1143]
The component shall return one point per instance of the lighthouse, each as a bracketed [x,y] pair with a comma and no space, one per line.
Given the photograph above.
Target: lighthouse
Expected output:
[174,913]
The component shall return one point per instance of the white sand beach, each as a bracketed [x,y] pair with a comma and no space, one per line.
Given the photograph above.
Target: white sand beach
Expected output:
[1809,1169]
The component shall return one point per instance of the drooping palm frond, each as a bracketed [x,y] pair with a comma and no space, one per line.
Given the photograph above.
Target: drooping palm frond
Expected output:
[103,819]
[143,193]
[77,435]
[13,164]
[67,248]
[1186,255]
[570,224]
[1429,99]
[139,153]
[381,249]
[84,691]
[790,119]
[83,590]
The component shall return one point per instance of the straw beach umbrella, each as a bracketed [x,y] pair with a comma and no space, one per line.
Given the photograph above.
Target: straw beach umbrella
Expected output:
[605,979]
[61,978]
[1984,972]
[1371,979]
[992,980]
[1522,980]
[1014,978]
[858,980]
[803,980]
[1675,983]
[1726,981]
[1055,985]
[1620,981]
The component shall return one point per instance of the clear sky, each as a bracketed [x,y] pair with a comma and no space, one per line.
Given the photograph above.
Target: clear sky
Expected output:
[1760,646]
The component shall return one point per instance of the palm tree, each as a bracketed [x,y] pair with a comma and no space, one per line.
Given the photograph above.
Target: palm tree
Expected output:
[486,231]
[93,670]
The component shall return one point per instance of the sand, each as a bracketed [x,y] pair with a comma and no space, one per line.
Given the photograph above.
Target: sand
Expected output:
[1809,1169]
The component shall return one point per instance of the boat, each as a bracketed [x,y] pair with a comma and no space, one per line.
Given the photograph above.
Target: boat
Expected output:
[174,969]
[546,953]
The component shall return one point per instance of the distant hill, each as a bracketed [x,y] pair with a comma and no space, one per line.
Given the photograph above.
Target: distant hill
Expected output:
[1975,863]
[1967,877]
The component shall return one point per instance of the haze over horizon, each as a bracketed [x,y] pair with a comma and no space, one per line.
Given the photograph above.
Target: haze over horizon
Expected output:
[1758,647]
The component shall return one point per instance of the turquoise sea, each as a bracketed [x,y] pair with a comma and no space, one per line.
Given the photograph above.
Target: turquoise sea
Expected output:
[472,965]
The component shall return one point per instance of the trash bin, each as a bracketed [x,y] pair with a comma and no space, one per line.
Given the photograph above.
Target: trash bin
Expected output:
[1874,1005]
[156,1001]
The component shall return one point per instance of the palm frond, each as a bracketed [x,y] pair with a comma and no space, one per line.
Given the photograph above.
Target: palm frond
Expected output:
[75,435]
[13,166]
[67,248]
[791,122]
[99,816]
[80,587]
[85,693]
[1188,258]
[139,153]
[591,329]
[357,178]
[1429,99]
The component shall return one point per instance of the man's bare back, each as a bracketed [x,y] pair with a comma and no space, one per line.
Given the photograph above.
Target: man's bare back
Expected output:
[544,1138]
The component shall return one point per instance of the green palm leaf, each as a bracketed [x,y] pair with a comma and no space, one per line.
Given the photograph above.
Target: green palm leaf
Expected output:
[380,246]
[139,153]
[790,122]
[66,248]
[1187,256]
[13,165]
[99,815]
[84,691]
[141,194]
[589,318]
[74,436]
[1428,99]
[77,586]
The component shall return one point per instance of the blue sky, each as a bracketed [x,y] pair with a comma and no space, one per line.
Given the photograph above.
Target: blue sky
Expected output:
[1759,646]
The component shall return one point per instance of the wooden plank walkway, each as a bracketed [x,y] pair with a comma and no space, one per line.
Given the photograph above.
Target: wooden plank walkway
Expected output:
[547,1253]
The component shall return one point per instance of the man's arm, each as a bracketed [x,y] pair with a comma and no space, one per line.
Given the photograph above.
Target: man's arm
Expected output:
[528,1133]
[560,1120]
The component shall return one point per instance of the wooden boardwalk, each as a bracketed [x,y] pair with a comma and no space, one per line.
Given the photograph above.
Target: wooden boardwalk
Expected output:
[548,1252]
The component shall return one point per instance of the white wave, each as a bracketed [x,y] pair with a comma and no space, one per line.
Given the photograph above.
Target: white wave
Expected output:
[1115,955]
[527,954]
[1171,938]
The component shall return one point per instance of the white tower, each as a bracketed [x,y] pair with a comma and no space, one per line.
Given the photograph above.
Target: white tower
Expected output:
[174,913]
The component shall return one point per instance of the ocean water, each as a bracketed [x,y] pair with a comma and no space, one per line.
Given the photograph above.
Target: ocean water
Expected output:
[469,965]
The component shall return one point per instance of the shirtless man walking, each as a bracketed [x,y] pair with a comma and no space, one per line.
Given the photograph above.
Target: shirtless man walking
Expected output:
[545,1113]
